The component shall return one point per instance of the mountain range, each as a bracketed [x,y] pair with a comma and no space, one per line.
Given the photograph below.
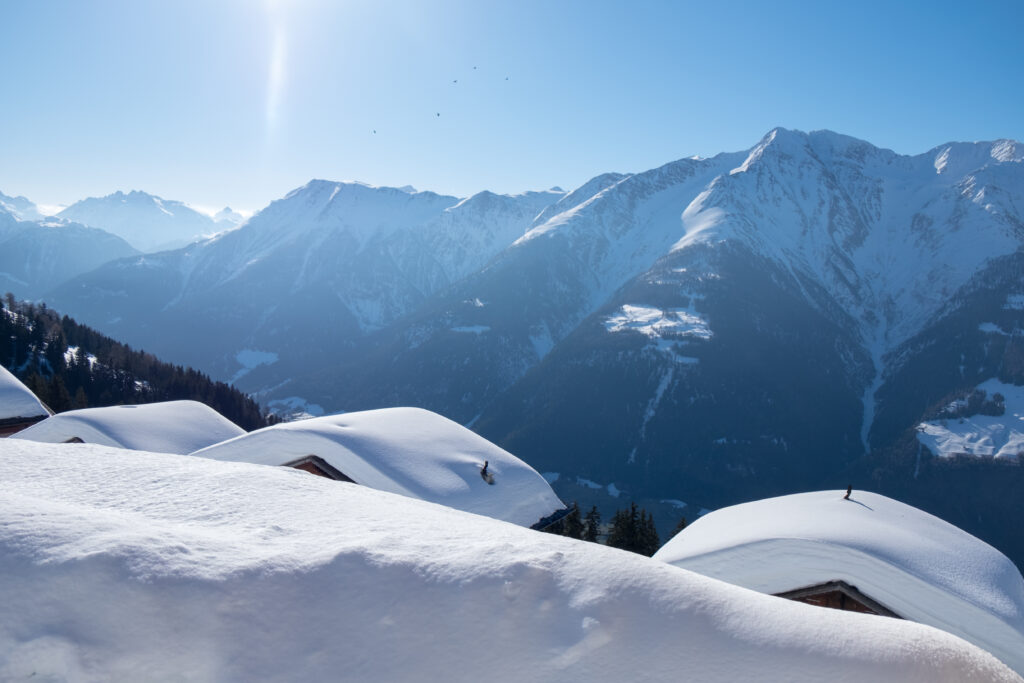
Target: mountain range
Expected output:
[712,330]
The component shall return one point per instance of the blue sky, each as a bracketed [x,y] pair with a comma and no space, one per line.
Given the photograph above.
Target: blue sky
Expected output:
[217,102]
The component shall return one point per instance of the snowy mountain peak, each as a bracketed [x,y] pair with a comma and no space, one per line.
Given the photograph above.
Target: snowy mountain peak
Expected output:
[356,208]
[315,189]
[20,207]
[228,217]
[960,158]
[147,222]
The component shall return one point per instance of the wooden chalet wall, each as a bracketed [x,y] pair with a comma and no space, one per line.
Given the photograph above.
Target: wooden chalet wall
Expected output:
[838,595]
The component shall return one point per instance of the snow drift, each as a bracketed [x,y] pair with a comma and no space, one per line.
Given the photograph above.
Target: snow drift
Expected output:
[167,427]
[917,565]
[136,566]
[17,400]
[408,451]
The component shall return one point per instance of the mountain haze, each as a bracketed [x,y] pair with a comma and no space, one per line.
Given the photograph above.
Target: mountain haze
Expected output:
[35,254]
[147,222]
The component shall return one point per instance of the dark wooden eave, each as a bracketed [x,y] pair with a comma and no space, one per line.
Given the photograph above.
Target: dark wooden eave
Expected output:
[838,595]
[316,465]
[13,425]
[554,518]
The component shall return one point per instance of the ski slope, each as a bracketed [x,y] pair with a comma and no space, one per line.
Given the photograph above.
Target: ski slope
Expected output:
[119,565]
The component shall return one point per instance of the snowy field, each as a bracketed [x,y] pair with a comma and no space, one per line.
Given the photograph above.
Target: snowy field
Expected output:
[984,435]
[130,566]
[656,323]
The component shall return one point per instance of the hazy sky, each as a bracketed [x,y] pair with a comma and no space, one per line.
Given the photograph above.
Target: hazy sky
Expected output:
[217,102]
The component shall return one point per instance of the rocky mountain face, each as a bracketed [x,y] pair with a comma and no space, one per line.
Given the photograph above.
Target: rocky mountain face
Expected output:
[147,222]
[306,279]
[36,254]
[713,330]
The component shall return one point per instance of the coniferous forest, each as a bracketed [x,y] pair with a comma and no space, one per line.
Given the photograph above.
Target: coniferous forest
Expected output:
[70,366]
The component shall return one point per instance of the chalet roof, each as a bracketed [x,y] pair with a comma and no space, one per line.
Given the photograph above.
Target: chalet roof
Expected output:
[17,402]
[120,565]
[919,566]
[409,451]
[167,427]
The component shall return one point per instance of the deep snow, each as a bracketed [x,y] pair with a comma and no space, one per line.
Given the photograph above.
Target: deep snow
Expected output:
[917,565]
[137,566]
[408,451]
[16,400]
[167,427]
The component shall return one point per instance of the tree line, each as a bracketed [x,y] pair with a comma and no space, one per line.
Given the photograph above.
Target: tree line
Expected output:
[70,366]
[631,529]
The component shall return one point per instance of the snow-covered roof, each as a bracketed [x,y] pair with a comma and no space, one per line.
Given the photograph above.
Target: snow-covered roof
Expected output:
[168,427]
[16,400]
[230,572]
[408,451]
[917,565]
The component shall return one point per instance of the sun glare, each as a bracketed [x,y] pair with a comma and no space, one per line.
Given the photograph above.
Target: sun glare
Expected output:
[277,61]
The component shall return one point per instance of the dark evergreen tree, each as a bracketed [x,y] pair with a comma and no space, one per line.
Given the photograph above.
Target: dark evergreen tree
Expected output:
[57,396]
[680,526]
[592,525]
[101,371]
[572,524]
[625,530]
[634,530]
[79,401]
[649,542]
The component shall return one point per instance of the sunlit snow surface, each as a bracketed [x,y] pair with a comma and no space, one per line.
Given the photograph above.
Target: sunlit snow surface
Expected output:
[654,322]
[151,567]
[167,427]
[408,451]
[913,563]
[1001,436]
[16,400]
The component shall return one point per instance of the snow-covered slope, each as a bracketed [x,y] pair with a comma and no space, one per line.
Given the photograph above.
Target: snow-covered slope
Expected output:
[35,256]
[408,451]
[913,563]
[168,427]
[1000,436]
[16,400]
[134,566]
[147,222]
